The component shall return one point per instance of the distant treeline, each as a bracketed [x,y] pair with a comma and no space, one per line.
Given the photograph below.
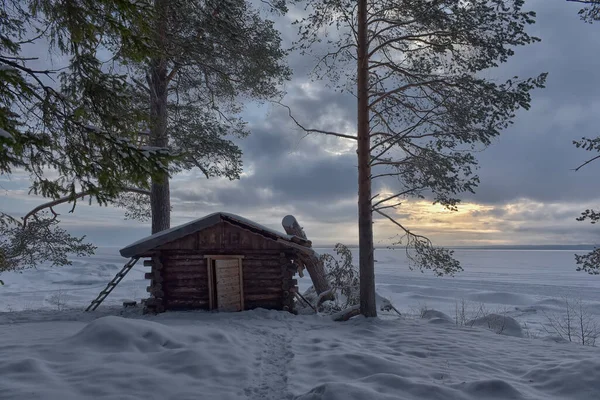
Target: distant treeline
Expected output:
[496,247]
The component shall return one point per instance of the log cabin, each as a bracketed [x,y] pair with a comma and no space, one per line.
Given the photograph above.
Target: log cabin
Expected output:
[221,262]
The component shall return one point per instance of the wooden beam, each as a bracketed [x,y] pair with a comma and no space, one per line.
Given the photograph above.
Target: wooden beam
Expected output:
[241,285]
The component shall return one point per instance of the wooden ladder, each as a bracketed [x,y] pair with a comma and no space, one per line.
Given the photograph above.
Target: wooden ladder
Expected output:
[112,284]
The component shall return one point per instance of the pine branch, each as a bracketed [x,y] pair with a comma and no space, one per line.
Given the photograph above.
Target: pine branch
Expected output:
[70,198]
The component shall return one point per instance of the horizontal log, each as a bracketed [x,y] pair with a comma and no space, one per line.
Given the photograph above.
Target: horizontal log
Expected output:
[170,255]
[174,290]
[264,282]
[265,262]
[175,269]
[274,263]
[154,302]
[154,286]
[262,275]
[154,277]
[182,304]
[156,260]
[197,287]
[169,275]
[263,296]
[182,269]
[185,257]
[187,297]
[154,309]
[261,289]
[181,280]
[260,271]
[185,263]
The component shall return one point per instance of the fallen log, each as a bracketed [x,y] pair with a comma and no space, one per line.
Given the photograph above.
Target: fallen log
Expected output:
[309,257]
[346,314]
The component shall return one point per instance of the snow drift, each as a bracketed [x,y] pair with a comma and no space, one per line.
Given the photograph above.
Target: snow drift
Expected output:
[263,354]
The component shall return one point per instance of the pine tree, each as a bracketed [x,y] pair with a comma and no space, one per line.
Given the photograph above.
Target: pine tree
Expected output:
[162,99]
[211,55]
[71,129]
[418,70]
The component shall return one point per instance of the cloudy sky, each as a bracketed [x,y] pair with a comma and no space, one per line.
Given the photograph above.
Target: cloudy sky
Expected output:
[529,193]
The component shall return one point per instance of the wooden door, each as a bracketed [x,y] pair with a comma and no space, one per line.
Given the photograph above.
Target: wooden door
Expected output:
[228,285]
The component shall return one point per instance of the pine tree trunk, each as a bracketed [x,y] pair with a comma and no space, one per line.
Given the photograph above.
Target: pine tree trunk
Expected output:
[365,215]
[160,197]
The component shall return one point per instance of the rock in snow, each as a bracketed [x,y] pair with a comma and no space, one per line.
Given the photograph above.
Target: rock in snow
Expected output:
[436,316]
[501,324]
[264,354]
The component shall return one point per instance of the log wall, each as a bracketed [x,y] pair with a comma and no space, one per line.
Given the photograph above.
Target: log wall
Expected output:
[179,276]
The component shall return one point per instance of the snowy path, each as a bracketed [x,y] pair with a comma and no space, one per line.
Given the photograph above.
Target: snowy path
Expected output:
[271,377]
[274,355]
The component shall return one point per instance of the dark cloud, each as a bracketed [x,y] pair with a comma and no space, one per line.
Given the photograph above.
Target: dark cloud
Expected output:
[535,158]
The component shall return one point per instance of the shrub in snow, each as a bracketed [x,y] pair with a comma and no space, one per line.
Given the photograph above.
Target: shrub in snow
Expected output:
[58,300]
[343,277]
[576,324]
[501,324]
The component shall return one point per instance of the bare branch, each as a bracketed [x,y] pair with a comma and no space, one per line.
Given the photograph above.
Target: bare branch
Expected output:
[397,195]
[587,162]
[399,225]
[341,135]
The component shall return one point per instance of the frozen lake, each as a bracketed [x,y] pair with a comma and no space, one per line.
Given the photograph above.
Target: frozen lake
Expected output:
[525,284]
[528,285]
[263,354]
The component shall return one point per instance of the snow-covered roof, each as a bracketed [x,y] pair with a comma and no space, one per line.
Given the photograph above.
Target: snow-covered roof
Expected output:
[169,235]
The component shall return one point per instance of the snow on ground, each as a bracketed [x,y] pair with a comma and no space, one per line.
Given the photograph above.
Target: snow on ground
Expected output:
[263,354]
[51,349]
